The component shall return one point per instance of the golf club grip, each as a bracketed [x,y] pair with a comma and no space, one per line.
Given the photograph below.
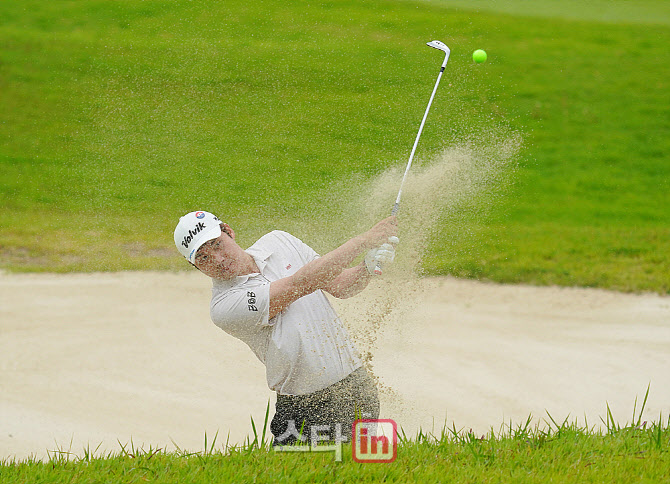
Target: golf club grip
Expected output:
[378,269]
[394,211]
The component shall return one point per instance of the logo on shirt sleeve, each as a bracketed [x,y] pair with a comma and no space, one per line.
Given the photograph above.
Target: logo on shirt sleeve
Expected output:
[251,301]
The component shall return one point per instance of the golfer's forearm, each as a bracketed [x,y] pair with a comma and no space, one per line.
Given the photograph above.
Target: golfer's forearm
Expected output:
[321,272]
[318,274]
[350,282]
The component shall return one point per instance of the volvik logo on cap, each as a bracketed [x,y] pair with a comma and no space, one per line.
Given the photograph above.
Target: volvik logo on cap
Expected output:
[199,214]
[192,233]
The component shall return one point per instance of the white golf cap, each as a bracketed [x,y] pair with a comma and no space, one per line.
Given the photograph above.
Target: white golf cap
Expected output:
[193,230]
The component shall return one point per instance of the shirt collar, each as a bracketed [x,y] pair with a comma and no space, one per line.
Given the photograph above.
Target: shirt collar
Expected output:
[260,258]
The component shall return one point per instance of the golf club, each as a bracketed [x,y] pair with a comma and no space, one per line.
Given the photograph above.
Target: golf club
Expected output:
[436,44]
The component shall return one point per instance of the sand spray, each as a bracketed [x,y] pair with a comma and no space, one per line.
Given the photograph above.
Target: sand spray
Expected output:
[461,180]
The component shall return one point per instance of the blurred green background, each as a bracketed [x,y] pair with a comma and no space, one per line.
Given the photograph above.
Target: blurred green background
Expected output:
[120,116]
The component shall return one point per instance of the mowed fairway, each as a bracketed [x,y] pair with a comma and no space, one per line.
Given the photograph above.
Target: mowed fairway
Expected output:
[120,116]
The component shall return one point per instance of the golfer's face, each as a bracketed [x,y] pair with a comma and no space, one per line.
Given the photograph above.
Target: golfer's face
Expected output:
[216,258]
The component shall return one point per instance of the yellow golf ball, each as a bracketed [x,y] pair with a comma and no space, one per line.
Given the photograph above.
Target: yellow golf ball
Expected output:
[479,56]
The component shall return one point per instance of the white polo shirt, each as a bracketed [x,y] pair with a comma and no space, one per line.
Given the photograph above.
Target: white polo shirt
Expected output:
[305,348]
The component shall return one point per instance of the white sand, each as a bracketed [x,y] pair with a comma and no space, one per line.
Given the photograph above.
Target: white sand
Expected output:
[100,358]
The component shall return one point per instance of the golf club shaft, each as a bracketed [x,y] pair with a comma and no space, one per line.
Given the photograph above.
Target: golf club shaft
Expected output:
[396,205]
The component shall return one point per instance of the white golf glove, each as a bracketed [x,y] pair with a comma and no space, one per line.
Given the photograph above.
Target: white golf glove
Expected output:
[380,256]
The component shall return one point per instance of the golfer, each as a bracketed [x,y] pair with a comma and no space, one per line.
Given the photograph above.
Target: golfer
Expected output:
[271,296]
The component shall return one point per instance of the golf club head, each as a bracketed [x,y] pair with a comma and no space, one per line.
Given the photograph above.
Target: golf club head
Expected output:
[436,44]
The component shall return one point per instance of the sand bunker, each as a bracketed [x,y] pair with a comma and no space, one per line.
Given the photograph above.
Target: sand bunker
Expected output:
[94,359]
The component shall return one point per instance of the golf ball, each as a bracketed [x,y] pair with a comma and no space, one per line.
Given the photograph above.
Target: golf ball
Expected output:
[479,56]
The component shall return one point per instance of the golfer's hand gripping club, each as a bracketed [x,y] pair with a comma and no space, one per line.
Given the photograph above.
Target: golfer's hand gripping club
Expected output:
[384,254]
[435,44]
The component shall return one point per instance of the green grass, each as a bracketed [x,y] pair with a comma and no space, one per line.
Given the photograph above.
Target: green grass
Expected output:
[621,11]
[120,116]
[557,452]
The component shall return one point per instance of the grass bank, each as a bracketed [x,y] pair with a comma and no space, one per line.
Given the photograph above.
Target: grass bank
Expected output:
[561,452]
[120,116]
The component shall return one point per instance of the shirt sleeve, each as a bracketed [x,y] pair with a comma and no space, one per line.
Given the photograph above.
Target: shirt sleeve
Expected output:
[242,310]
